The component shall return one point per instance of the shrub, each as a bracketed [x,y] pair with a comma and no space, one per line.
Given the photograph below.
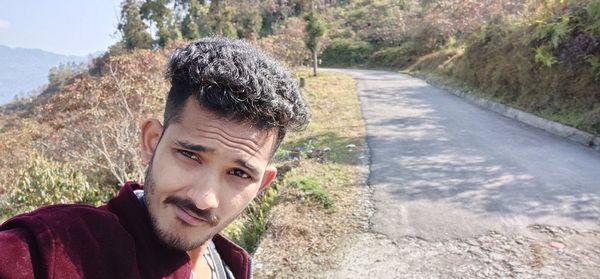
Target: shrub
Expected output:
[593,14]
[395,56]
[45,182]
[544,56]
[287,43]
[346,52]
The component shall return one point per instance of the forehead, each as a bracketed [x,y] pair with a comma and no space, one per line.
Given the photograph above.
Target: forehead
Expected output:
[196,122]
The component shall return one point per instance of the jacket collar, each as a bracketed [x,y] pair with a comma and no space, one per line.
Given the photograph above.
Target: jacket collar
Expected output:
[153,253]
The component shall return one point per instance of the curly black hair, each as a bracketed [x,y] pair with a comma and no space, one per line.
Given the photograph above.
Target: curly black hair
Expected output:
[237,81]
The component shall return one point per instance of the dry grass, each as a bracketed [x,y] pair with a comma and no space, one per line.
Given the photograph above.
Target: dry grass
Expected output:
[302,234]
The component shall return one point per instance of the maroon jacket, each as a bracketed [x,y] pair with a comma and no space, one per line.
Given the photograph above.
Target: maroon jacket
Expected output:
[112,241]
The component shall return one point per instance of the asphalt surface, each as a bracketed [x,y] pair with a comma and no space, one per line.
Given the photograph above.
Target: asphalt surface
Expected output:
[447,172]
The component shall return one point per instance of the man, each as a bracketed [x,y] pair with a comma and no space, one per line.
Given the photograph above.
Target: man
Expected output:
[227,111]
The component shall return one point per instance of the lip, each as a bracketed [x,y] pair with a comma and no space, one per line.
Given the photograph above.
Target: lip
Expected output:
[188,217]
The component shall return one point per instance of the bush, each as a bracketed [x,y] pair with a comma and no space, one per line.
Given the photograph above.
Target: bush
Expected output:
[287,44]
[395,56]
[45,182]
[346,52]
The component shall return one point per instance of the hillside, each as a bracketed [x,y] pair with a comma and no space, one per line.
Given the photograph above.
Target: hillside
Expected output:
[86,130]
[23,70]
[540,56]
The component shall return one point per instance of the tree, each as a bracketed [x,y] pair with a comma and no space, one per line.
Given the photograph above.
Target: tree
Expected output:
[315,29]
[221,18]
[61,74]
[132,28]
[191,24]
[157,12]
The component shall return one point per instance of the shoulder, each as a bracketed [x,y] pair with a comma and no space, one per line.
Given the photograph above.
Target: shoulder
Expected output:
[15,258]
[64,238]
[58,218]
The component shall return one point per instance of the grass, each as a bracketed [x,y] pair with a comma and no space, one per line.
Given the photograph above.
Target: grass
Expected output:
[311,186]
[247,230]
[301,220]
[506,71]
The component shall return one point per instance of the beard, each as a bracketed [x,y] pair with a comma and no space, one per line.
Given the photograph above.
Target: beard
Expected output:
[168,235]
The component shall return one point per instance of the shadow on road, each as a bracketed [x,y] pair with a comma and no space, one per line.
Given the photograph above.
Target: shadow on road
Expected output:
[427,145]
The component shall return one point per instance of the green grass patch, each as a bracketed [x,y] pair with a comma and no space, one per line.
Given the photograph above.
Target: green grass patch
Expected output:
[312,188]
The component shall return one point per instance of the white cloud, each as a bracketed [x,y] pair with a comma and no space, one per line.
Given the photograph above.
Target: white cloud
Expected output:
[4,24]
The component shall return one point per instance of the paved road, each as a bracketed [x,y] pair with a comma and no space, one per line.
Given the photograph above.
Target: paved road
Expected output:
[444,170]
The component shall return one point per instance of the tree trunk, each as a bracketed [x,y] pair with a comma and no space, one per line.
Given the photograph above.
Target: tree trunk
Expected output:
[314,59]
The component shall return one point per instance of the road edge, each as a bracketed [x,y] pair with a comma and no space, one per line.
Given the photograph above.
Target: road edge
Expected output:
[555,128]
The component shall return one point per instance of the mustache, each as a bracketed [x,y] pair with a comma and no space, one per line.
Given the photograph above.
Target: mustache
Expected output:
[189,205]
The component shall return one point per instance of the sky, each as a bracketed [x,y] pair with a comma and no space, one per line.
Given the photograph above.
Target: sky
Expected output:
[71,27]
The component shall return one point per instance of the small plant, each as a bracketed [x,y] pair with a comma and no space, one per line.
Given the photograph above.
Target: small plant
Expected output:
[593,13]
[451,43]
[594,61]
[553,32]
[544,56]
[313,189]
[45,182]
[248,230]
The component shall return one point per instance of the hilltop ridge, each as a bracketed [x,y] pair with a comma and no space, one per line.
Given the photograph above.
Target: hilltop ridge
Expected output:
[23,69]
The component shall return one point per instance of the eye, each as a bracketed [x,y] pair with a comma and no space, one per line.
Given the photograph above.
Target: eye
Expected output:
[239,173]
[189,155]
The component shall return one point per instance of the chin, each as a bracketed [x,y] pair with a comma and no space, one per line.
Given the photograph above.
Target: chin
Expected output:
[182,237]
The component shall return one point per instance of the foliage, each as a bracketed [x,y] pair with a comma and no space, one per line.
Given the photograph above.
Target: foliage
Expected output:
[346,52]
[220,19]
[45,182]
[457,17]
[313,189]
[544,56]
[554,32]
[594,61]
[287,44]
[156,12]
[19,135]
[249,229]
[59,75]
[315,29]
[395,56]
[379,23]
[593,17]
[132,28]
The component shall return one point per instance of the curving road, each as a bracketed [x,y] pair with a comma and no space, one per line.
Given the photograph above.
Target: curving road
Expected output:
[452,182]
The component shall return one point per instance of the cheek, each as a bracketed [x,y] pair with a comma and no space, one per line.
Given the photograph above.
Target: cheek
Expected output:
[166,174]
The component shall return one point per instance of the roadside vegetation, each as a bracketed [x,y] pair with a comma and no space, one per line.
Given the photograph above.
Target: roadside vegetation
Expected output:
[541,56]
[321,190]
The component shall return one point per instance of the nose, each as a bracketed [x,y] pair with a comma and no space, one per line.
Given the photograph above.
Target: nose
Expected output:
[204,192]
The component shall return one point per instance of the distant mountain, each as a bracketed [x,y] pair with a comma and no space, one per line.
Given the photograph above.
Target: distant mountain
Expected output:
[23,70]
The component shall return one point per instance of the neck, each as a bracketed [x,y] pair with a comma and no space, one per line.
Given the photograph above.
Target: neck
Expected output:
[200,267]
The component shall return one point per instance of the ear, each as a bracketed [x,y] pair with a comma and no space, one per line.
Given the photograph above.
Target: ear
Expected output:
[270,174]
[150,136]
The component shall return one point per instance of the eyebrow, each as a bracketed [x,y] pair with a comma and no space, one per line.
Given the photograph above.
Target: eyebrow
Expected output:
[193,147]
[201,148]
[253,170]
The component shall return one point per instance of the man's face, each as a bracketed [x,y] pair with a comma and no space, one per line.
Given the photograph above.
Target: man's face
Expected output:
[203,172]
